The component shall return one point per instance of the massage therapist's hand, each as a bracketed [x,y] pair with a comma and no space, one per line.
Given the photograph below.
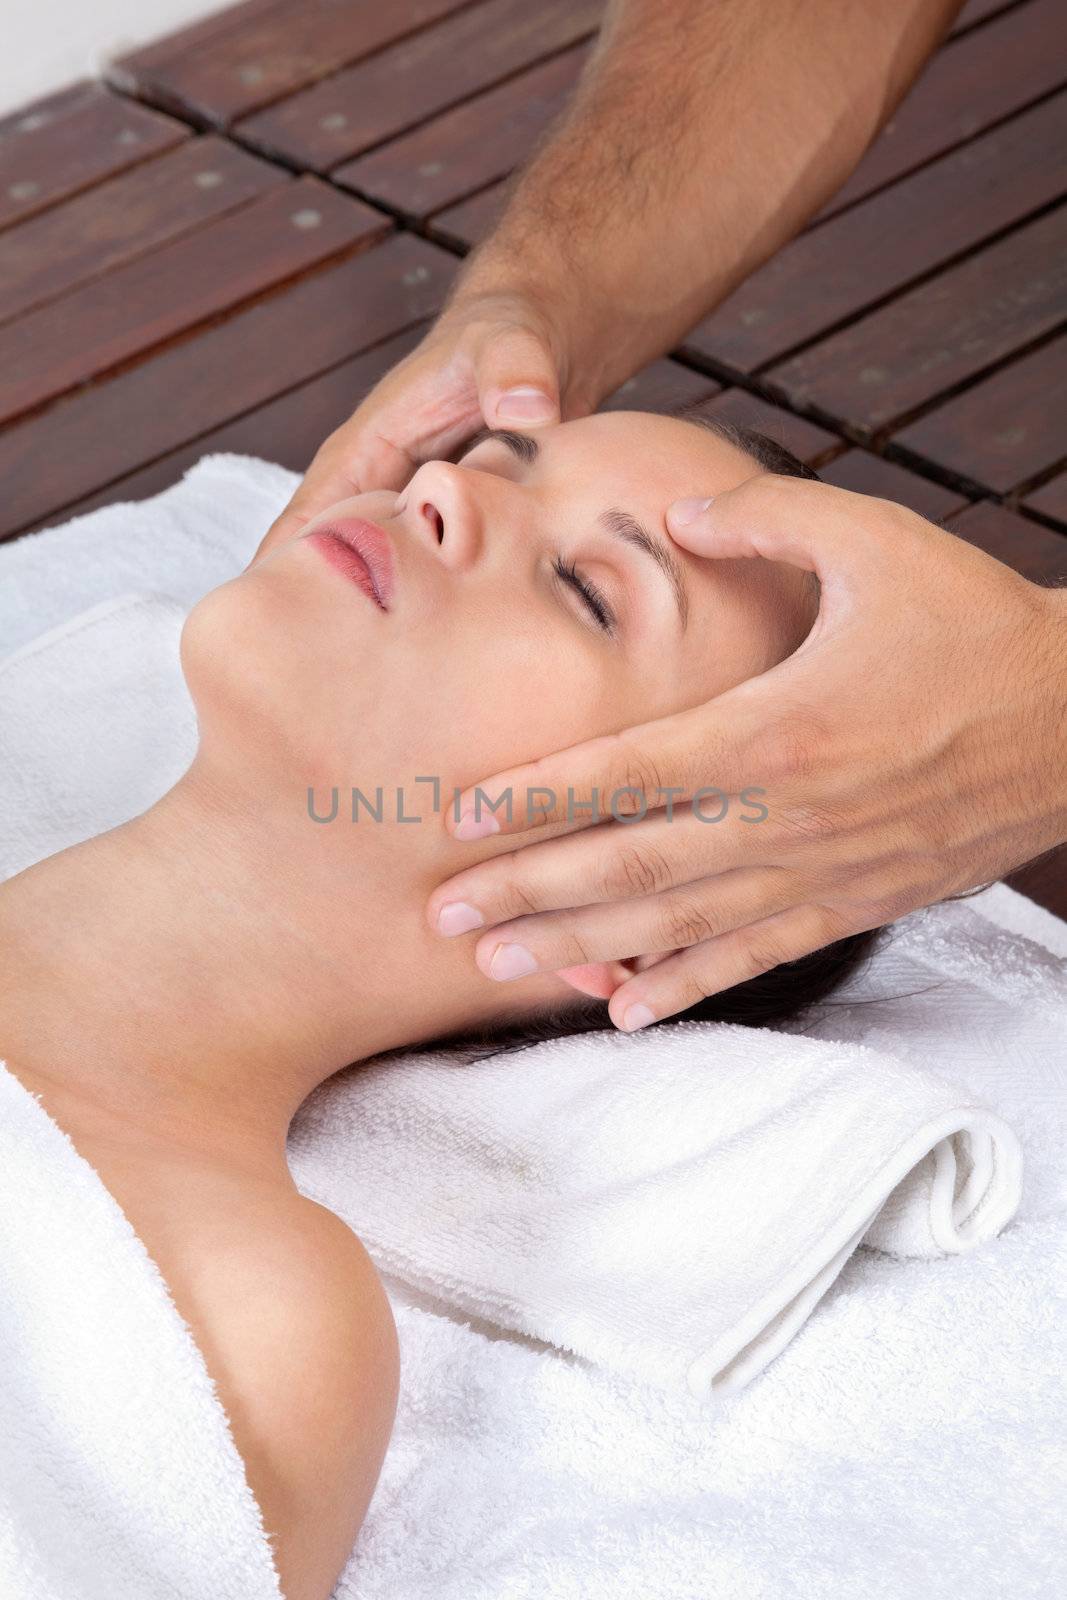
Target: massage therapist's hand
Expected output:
[490,356]
[912,747]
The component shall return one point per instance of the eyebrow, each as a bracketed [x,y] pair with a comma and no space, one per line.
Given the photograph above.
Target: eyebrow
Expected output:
[521,445]
[619,523]
[626,527]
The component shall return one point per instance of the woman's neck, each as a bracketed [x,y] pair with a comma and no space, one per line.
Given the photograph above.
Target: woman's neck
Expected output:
[196,978]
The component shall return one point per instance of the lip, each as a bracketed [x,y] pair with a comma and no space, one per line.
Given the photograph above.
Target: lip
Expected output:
[363,552]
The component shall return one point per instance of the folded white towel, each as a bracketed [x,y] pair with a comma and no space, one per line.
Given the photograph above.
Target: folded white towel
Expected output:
[915,1418]
[670,1205]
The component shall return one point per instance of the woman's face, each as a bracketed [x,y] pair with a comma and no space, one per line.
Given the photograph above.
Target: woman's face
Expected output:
[537,600]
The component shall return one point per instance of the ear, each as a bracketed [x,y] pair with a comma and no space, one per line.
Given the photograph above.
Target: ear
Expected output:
[601,978]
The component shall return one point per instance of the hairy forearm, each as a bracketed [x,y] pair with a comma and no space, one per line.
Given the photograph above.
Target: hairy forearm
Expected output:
[702,136]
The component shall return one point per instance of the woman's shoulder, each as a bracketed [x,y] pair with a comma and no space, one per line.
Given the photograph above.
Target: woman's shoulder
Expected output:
[292,1321]
[297,1330]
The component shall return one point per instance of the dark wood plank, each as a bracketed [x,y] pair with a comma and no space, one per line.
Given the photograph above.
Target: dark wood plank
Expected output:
[811,444]
[265,51]
[865,473]
[661,386]
[288,430]
[1003,431]
[1040,554]
[63,144]
[377,99]
[834,272]
[1050,500]
[938,335]
[465,225]
[107,430]
[971,83]
[469,146]
[1044,881]
[977,11]
[203,35]
[202,275]
[37,114]
[126,217]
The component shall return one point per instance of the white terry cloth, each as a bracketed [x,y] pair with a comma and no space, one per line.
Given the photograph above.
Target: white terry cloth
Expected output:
[539,1219]
[118,1472]
[672,1207]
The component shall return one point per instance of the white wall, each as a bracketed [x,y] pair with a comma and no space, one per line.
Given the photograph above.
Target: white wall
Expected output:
[49,43]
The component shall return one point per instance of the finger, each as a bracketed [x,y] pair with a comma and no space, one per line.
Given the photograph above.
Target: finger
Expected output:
[815,526]
[680,918]
[600,979]
[609,863]
[517,380]
[340,470]
[682,981]
[718,747]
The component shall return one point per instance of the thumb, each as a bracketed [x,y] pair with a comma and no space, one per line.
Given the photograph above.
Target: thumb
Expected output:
[801,521]
[517,380]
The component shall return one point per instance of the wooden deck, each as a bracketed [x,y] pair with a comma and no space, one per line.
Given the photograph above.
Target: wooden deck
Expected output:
[227,243]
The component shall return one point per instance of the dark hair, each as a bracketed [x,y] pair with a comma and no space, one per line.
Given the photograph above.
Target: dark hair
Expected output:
[784,992]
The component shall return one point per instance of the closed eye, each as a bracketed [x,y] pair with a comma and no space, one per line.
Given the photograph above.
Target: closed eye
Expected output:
[594,601]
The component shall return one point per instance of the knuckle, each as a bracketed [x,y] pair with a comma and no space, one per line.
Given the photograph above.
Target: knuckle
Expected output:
[685,923]
[570,949]
[637,782]
[812,822]
[632,870]
[692,985]
[514,899]
[909,891]
[761,952]
[793,745]
[836,922]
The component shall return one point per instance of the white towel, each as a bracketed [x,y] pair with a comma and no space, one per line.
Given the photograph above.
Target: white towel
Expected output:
[558,1280]
[118,1472]
[671,1206]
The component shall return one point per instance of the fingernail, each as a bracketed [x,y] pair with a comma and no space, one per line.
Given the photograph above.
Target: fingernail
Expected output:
[458,917]
[471,827]
[511,961]
[524,404]
[637,1016]
[683,511]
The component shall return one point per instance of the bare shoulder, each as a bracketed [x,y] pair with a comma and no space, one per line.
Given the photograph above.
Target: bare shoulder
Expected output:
[297,1330]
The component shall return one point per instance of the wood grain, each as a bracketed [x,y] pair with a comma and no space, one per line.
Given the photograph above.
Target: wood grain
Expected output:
[126,217]
[1051,499]
[809,443]
[1038,553]
[405,84]
[472,220]
[288,429]
[938,335]
[216,71]
[139,305]
[865,473]
[61,145]
[466,148]
[1005,430]
[102,433]
[836,271]
[970,83]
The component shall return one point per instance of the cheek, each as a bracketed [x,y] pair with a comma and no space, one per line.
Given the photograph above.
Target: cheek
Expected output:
[312,694]
[495,693]
[273,676]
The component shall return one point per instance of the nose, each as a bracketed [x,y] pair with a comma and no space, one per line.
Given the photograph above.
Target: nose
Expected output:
[445,510]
